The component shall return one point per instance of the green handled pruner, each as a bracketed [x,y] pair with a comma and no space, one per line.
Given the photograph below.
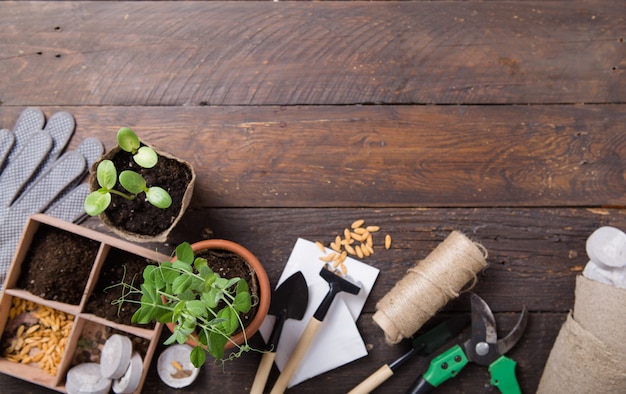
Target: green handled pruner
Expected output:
[483,348]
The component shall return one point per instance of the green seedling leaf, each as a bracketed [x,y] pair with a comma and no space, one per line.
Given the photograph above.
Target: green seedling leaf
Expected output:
[106,174]
[189,325]
[197,308]
[170,340]
[231,282]
[128,140]
[159,197]
[132,181]
[187,295]
[231,322]
[168,273]
[209,298]
[184,252]
[182,266]
[242,302]
[203,337]
[179,309]
[210,278]
[149,273]
[242,287]
[97,202]
[181,284]
[146,157]
[216,345]
[198,356]
[221,282]
[199,263]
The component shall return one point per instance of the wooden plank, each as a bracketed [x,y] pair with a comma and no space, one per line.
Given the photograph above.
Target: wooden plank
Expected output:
[534,254]
[534,257]
[264,53]
[336,156]
[237,376]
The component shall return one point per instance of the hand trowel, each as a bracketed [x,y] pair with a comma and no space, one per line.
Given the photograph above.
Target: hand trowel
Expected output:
[289,301]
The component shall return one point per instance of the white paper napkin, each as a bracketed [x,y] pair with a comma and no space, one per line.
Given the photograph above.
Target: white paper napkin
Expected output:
[338,340]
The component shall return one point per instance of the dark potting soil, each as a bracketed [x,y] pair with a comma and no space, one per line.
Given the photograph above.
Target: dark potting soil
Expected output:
[229,265]
[138,215]
[58,265]
[118,265]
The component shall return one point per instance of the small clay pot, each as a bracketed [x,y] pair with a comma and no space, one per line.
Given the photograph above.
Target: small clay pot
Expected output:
[264,290]
[132,236]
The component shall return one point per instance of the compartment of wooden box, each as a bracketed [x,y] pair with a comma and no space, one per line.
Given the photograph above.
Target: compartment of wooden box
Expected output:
[25,304]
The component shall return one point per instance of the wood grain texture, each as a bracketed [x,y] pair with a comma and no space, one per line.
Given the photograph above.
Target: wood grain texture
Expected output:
[533,253]
[259,53]
[501,119]
[382,155]
[534,257]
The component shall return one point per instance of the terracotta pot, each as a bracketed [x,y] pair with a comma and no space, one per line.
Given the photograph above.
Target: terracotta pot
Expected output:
[264,289]
[135,237]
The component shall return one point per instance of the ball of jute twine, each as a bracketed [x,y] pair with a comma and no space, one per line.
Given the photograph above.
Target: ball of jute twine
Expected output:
[429,286]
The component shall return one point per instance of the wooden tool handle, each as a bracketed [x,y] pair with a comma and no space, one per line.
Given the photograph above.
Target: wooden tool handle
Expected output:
[296,357]
[374,380]
[262,373]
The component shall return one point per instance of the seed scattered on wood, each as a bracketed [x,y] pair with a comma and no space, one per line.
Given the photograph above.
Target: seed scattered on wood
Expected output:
[365,250]
[357,223]
[357,233]
[346,235]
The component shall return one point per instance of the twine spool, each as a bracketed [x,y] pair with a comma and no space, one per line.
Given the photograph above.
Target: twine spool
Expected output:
[429,286]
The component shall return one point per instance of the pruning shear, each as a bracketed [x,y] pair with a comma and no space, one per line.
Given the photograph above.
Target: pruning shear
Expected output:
[483,348]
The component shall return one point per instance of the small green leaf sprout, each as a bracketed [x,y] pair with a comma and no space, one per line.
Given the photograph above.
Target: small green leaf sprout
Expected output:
[106,174]
[128,141]
[198,301]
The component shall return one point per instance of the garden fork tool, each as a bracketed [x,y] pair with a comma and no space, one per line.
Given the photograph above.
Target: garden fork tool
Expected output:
[483,348]
[336,285]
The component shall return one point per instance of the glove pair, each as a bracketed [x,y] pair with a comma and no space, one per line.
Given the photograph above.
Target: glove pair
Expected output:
[36,178]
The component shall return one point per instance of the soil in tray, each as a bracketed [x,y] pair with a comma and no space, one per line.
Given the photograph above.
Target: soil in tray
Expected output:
[229,265]
[118,265]
[137,215]
[57,265]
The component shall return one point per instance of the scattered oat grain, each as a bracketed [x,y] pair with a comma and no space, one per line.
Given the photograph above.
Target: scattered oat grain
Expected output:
[357,223]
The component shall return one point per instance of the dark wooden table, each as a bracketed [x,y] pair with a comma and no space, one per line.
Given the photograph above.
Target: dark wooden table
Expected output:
[504,120]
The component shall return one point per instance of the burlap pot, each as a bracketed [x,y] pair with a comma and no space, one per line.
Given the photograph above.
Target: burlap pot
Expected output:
[589,353]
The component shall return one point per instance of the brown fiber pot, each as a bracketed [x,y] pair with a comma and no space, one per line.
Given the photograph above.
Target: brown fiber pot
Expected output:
[263,286]
[135,237]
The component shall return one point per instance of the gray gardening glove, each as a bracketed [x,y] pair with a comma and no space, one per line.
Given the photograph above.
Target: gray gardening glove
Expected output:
[36,178]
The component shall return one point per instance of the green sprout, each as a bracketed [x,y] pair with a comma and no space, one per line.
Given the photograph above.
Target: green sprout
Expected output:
[128,141]
[106,174]
[199,302]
